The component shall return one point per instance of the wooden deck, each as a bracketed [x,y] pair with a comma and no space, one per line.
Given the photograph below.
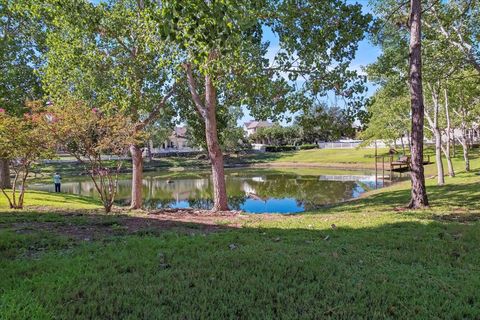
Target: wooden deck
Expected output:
[402,164]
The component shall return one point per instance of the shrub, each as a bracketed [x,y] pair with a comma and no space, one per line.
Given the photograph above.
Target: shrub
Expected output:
[280,148]
[23,143]
[307,146]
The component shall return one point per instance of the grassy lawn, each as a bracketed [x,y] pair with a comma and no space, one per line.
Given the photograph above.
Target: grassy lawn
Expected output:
[61,201]
[330,157]
[342,158]
[366,258]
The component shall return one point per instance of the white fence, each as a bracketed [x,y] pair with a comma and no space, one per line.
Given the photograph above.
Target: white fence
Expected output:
[352,144]
[338,145]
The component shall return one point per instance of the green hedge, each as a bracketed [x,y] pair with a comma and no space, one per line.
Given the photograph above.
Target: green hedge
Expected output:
[307,146]
[280,148]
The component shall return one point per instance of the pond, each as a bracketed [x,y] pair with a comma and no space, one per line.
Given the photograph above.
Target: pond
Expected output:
[251,190]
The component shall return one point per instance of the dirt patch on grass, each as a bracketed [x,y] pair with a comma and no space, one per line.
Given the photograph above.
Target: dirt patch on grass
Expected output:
[89,225]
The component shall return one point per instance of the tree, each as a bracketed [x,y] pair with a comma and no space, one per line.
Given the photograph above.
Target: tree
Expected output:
[278,135]
[111,55]
[21,45]
[90,136]
[395,36]
[322,123]
[433,121]
[389,111]
[456,23]
[463,100]
[234,140]
[23,142]
[419,192]
[222,45]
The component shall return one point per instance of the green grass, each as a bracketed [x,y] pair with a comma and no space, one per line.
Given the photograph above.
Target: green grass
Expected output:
[330,157]
[378,261]
[54,200]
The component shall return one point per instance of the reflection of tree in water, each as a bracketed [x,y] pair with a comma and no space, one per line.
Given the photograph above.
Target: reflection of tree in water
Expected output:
[201,203]
[236,202]
[307,190]
[153,203]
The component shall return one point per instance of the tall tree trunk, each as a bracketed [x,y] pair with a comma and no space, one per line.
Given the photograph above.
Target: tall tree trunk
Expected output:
[207,111]
[464,144]
[451,171]
[419,197]
[454,149]
[464,140]
[409,140]
[137,177]
[438,156]
[465,157]
[437,134]
[220,202]
[446,151]
[5,182]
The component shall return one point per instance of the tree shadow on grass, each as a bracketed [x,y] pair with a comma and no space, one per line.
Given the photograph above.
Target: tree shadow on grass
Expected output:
[398,270]
[459,196]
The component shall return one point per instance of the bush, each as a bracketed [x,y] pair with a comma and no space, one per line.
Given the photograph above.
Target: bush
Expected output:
[307,146]
[280,148]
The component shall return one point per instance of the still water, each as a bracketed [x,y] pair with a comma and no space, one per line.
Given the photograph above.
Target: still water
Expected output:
[251,190]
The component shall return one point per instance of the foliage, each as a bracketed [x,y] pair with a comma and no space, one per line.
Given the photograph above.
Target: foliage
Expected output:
[449,54]
[464,98]
[307,146]
[90,135]
[227,118]
[108,53]
[389,111]
[322,58]
[277,135]
[23,142]
[234,139]
[21,47]
[323,123]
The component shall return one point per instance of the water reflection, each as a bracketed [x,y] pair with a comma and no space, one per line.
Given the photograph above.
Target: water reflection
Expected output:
[256,191]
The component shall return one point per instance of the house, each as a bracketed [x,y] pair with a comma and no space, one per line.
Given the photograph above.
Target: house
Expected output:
[177,142]
[251,127]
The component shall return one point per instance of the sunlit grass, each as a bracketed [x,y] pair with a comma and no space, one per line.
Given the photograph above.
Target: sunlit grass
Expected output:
[55,200]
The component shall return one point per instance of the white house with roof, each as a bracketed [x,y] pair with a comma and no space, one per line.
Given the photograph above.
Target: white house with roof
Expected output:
[251,127]
[176,142]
